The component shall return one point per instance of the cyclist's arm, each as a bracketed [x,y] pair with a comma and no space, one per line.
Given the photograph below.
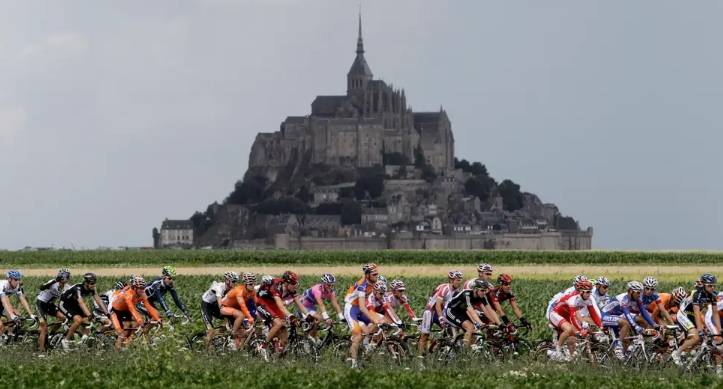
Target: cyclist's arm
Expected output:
[491,314]
[392,314]
[280,303]
[646,314]
[83,307]
[302,308]
[699,323]
[178,301]
[47,285]
[100,303]
[240,299]
[516,308]
[8,306]
[162,300]
[322,308]
[151,310]
[594,315]
[337,308]
[132,308]
[410,311]
[438,307]
[664,313]
[716,317]
[472,313]
[24,303]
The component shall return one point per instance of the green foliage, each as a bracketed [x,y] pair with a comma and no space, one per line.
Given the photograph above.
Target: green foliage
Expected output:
[283,205]
[511,196]
[248,191]
[200,257]
[328,209]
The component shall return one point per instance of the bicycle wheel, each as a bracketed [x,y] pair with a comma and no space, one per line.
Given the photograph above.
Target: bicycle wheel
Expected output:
[304,348]
[397,350]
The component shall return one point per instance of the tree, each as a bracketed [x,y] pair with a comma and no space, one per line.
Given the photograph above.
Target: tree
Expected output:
[463,164]
[478,170]
[283,205]
[247,191]
[511,195]
[374,185]
[328,209]
[474,186]
[419,160]
[428,173]
[350,213]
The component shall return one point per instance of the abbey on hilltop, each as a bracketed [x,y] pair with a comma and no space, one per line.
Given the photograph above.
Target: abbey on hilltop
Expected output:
[364,171]
[359,128]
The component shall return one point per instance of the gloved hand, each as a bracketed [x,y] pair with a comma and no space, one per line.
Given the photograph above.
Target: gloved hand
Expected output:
[524,322]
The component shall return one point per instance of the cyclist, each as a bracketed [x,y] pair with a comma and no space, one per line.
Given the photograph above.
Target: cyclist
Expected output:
[46,303]
[551,304]
[704,298]
[12,286]
[314,298]
[72,302]
[124,309]
[715,329]
[461,311]
[623,313]
[108,297]
[600,292]
[503,293]
[211,301]
[355,309]
[669,304]
[566,318]
[157,289]
[652,300]
[378,304]
[435,304]
[272,306]
[239,304]
[484,273]
[397,298]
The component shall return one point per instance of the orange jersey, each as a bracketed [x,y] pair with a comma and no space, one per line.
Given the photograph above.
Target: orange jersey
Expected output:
[361,288]
[126,301]
[667,300]
[237,298]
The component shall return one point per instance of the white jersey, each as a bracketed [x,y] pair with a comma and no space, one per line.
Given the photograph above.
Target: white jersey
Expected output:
[52,293]
[217,290]
[600,300]
[6,290]
[556,298]
[443,292]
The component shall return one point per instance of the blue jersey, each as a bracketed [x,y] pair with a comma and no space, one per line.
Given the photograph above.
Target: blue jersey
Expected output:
[623,305]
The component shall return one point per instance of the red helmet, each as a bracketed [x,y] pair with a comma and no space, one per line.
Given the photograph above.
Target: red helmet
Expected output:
[504,279]
[290,277]
[583,285]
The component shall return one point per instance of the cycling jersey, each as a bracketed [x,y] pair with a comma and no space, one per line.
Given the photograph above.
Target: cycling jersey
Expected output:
[127,300]
[240,298]
[600,299]
[568,306]
[702,297]
[647,300]
[455,311]
[623,306]
[709,316]
[6,290]
[556,298]
[318,291]
[502,296]
[156,292]
[667,300]
[361,289]
[266,295]
[69,299]
[50,291]
[442,292]
[401,301]
[217,290]
[374,304]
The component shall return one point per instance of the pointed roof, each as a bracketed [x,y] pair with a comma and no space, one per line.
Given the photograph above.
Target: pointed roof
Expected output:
[360,66]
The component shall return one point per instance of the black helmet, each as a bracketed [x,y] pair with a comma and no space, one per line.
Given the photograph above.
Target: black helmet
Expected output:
[89,278]
[708,278]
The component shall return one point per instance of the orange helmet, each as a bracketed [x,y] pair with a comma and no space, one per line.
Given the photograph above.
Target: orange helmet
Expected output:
[504,279]
[583,285]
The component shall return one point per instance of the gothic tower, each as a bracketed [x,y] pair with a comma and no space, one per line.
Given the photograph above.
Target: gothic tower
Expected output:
[359,75]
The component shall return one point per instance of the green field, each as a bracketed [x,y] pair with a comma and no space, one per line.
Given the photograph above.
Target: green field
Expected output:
[167,366]
[205,257]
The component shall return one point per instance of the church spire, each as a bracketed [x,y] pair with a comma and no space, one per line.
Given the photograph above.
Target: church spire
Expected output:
[359,40]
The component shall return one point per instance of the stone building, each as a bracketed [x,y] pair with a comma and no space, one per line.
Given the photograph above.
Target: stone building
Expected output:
[176,233]
[357,128]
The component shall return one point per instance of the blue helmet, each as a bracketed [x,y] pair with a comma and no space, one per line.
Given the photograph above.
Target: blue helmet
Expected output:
[14,274]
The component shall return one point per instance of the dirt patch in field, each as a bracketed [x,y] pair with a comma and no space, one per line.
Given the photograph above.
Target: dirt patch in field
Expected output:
[671,273]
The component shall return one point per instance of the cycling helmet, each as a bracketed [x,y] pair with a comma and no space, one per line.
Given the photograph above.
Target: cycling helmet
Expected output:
[455,274]
[90,278]
[504,279]
[290,277]
[380,286]
[679,294]
[602,281]
[397,285]
[168,271]
[64,273]
[708,278]
[650,282]
[635,286]
[579,277]
[583,285]
[485,268]
[249,278]
[138,282]
[14,274]
[267,280]
[328,278]
[369,268]
[120,284]
[481,284]
[231,276]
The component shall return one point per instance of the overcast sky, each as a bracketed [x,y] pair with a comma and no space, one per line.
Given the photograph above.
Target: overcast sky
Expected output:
[115,115]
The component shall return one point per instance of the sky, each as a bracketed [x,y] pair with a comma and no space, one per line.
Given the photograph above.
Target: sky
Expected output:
[116,115]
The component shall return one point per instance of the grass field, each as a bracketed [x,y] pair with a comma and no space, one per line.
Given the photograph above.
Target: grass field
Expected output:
[169,367]
[392,257]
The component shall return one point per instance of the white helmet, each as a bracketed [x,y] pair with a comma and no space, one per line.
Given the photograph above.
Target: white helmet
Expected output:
[602,281]
[650,282]
[635,286]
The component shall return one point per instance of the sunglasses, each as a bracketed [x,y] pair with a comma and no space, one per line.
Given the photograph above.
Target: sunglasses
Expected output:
[487,274]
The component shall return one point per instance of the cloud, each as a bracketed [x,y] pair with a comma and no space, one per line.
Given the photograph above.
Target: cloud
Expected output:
[12,121]
[60,42]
